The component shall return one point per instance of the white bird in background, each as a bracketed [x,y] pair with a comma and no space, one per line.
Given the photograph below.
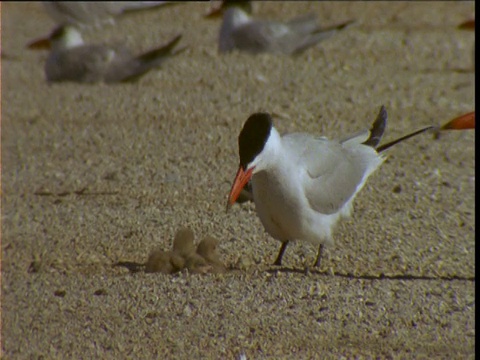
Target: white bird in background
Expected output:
[240,31]
[72,60]
[87,13]
[302,184]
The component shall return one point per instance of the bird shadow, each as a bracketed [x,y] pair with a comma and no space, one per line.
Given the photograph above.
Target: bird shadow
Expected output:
[444,71]
[83,191]
[382,276]
[135,267]
[132,266]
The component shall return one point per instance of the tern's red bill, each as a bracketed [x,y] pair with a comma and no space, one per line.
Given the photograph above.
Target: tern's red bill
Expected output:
[241,179]
[463,122]
[37,44]
[214,13]
[467,25]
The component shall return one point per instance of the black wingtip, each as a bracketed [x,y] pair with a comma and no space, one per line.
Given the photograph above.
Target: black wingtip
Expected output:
[161,51]
[337,27]
[345,24]
[378,128]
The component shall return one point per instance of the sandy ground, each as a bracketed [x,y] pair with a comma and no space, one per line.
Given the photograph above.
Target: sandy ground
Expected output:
[127,165]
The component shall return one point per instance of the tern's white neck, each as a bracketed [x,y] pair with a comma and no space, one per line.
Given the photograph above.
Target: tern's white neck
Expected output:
[232,19]
[272,154]
[235,17]
[70,38]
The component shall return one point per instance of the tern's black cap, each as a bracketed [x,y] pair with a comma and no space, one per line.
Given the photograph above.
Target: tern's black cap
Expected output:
[253,137]
[245,5]
[58,32]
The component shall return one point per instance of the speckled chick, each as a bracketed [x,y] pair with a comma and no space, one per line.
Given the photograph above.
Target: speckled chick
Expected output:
[183,246]
[207,249]
[197,264]
[169,262]
[164,262]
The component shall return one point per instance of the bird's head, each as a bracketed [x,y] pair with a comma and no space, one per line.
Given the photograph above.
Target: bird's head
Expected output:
[245,5]
[254,146]
[62,37]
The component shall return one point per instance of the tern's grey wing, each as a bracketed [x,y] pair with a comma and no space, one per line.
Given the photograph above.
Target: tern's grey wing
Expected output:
[140,5]
[278,38]
[358,137]
[81,64]
[92,12]
[81,12]
[333,172]
[260,36]
[304,24]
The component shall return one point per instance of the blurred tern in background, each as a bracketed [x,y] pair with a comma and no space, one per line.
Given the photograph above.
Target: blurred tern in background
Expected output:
[72,60]
[240,31]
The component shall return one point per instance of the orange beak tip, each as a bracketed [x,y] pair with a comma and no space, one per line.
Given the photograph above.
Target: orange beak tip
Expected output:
[231,199]
[241,179]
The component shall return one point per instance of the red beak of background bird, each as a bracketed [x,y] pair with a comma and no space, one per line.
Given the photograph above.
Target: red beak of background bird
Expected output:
[463,122]
[467,25]
[43,43]
[241,179]
[215,13]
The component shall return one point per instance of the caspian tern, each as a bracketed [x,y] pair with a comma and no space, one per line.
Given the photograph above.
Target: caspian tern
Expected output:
[240,31]
[87,13]
[302,184]
[72,60]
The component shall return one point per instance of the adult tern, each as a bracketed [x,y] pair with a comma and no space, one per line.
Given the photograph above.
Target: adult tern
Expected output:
[70,59]
[303,185]
[240,31]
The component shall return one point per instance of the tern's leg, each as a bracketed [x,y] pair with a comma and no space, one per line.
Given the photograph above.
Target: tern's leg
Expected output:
[280,253]
[319,256]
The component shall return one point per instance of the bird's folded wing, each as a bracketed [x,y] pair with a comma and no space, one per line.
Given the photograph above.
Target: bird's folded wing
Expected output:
[258,36]
[304,24]
[334,173]
[81,12]
[357,138]
[83,64]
